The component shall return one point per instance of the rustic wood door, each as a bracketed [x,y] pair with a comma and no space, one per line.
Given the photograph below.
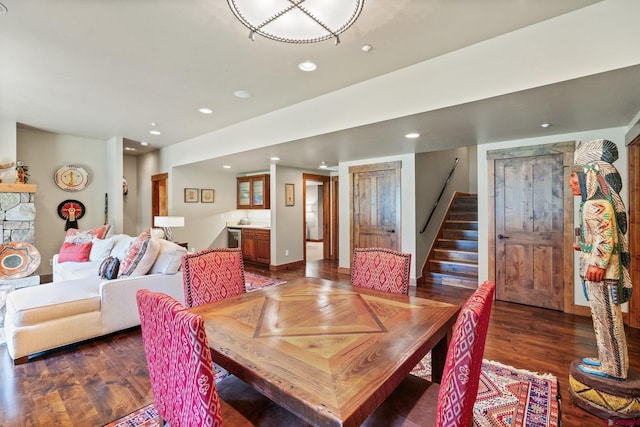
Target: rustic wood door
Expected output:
[530,228]
[159,195]
[375,198]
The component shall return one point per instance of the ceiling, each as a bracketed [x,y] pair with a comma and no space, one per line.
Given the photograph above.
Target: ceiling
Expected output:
[104,68]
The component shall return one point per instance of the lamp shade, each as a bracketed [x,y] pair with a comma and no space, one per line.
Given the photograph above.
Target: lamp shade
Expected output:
[297,21]
[168,221]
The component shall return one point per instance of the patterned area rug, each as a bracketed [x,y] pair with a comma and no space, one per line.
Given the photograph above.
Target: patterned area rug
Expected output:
[256,281]
[507,397]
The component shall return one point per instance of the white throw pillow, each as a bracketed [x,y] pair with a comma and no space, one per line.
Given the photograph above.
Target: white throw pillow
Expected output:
[169,259]
[121,245]
[140,257]
[100,248]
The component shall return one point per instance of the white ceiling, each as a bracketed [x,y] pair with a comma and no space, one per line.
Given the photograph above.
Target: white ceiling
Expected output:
[104,68]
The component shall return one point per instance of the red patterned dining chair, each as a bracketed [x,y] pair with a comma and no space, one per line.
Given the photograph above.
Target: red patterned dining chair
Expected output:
[451,403]
[179,362]
[381,269]
[212,275]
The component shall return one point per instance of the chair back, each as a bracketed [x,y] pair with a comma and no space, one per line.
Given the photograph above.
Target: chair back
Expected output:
[212,275]
[381,269]
[461,376]
[179,362]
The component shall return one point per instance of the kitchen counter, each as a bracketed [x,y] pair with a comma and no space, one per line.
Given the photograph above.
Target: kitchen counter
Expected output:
[255,226]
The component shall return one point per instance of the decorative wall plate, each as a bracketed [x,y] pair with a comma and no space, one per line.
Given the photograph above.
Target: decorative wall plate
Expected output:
[71,178]
[71,211]
[18,260]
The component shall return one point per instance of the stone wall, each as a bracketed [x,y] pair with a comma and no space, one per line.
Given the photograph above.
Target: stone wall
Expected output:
[17,217]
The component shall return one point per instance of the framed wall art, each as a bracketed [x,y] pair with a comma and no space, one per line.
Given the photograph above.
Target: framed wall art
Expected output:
[289,196]
[206,195]
[191,195]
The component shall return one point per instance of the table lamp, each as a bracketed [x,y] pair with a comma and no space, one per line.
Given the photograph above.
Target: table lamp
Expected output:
[166,222]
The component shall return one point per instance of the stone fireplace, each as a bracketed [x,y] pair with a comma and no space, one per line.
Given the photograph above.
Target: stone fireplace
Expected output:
[17,224]
[17,213]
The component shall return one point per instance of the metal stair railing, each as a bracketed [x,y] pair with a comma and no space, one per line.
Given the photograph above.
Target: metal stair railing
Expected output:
[444,187]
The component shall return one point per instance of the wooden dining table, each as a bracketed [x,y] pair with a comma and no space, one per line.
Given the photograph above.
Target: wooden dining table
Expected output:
[328,352]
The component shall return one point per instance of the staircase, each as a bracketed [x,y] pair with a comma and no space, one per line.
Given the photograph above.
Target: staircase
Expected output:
[453,259]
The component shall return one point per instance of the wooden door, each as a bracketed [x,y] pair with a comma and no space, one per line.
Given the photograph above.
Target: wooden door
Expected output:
[634,230]
[375,199]
[326,213]
[531,226]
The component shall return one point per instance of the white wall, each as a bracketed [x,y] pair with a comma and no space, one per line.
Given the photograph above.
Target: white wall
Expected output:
[130,167]
[287,227]
[407,202]
[8,149]
[616,135]
[205,223]
[44,153]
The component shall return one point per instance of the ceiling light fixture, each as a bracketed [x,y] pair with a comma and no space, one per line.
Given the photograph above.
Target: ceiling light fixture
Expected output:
[307,66]
[242,94]
[275,159]
[366,48]
[545,125]
[297,21]
[144,143]
[155,132]
[226,167]
[412,135]
[205,110]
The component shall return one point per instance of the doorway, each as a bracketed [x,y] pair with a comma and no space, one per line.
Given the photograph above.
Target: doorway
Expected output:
[159,203]
[316,217]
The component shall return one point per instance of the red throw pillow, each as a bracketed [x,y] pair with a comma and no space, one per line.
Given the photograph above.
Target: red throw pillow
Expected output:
[78,253]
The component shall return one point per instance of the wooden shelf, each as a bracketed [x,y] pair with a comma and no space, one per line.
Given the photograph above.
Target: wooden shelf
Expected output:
[18,188]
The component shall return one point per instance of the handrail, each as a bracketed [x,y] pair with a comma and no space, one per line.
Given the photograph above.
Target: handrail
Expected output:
[444,187]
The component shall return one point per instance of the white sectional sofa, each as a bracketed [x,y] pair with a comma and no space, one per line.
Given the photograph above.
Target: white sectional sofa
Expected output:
[79,304]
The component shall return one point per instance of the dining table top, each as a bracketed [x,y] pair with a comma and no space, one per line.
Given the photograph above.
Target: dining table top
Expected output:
[328,352]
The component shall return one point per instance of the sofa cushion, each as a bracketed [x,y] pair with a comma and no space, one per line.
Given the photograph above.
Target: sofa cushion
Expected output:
[37,304]
[100,248]
[169,258]
[72,252]
[109,268]
[121,245]
[80,237]
[140,256]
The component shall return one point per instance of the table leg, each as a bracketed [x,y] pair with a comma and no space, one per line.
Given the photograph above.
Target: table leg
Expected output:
[438,358]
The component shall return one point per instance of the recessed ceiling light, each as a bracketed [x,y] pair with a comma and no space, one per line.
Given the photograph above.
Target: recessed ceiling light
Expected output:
[154,124]
[275,159]
[545,124]
[366,48]
[205,110]
[129,148]
[226,167]
[155,132]
[412,135]
[144,143]
[307,66]
[242,94]
[3,9]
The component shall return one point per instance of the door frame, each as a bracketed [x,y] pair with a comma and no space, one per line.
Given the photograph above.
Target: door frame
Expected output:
[159,195]
[633,151]
[567,149]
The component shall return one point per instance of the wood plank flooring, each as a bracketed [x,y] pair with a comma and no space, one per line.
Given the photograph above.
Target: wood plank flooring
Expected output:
[95,382]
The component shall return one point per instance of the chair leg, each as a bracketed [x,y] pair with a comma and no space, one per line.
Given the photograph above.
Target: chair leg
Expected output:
[20,360]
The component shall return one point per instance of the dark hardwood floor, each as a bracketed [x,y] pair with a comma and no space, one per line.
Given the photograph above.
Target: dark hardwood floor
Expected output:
[95,382]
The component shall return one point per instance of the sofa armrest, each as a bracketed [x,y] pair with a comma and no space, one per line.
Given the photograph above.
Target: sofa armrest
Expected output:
[118,297]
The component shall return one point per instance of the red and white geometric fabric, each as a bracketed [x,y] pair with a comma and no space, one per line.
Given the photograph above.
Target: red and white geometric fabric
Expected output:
[212,275]
[461,376]
[381,269]
[179,362]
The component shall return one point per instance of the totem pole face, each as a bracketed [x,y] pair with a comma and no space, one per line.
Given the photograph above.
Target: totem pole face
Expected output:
[574,183]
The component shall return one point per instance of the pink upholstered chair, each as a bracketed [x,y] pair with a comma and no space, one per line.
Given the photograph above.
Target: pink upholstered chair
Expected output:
[381,269]
[179,361]
[212,275]
[450,404]
[461,376]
